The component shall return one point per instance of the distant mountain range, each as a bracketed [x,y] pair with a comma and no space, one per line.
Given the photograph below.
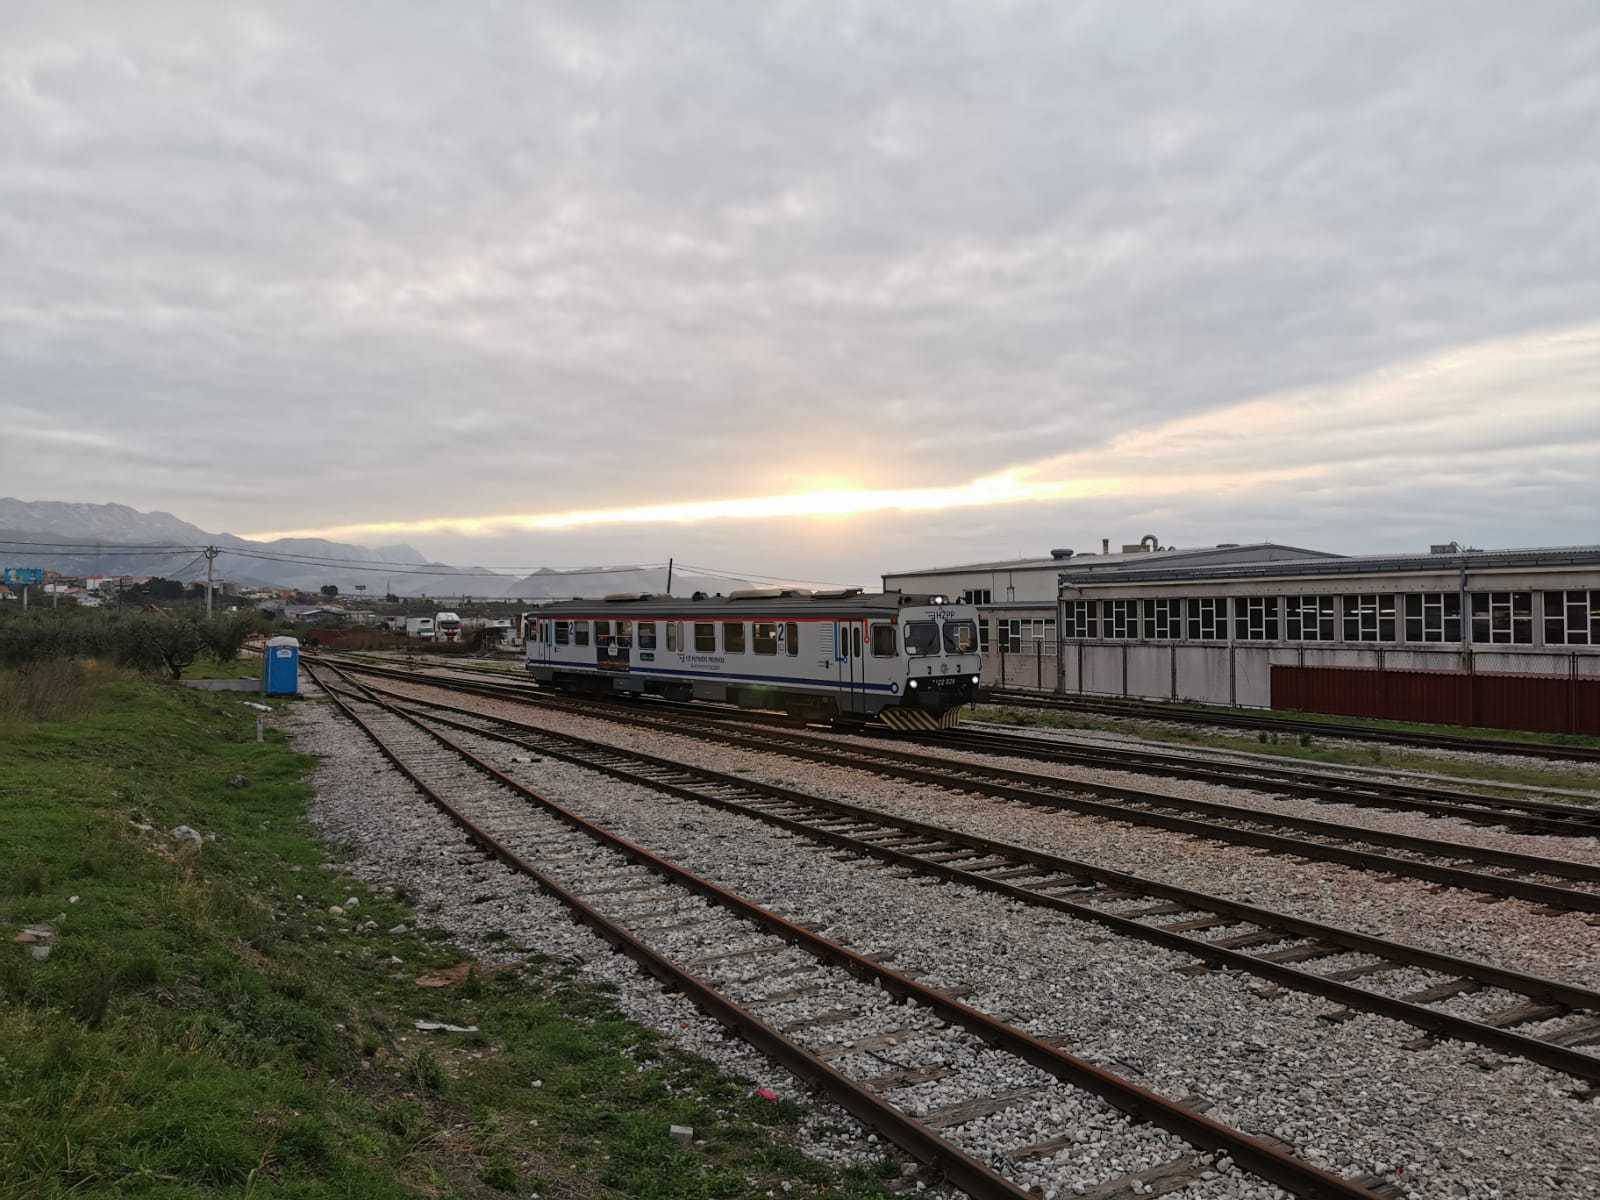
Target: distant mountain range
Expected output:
[113,539]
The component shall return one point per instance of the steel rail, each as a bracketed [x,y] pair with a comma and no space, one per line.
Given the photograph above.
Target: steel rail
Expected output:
[1558,1057]
[1155,710]
[916,1139]
[1525,815]
[1258,1156]
[1054,792]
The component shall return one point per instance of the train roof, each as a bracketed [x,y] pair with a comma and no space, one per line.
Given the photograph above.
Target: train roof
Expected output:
[759,602]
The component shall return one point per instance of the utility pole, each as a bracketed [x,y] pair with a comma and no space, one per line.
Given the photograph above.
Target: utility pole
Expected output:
[669,576]
[211,560]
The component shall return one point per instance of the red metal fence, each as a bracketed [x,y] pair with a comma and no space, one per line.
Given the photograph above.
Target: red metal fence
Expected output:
[1547,703]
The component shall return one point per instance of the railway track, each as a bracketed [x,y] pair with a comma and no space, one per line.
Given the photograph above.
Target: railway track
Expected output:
[1156,710]
[1286,951]
[1520,815]
[824,1011]
[1558,884]
[1523,816]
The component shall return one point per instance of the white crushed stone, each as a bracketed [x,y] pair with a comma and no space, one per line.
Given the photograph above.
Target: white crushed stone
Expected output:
[1269,1065]
[1510,933]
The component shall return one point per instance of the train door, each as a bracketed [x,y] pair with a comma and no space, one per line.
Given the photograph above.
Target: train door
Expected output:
[536,639]
[848,658]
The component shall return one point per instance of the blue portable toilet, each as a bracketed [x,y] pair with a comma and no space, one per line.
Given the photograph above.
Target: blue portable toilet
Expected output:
[280,667]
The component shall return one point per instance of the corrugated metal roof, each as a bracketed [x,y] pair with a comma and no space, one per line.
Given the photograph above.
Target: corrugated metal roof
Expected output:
[1532,557]
[1090,560]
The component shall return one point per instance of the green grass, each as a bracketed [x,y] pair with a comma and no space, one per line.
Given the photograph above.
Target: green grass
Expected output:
[248,667]
[203,1027]
[1307,749]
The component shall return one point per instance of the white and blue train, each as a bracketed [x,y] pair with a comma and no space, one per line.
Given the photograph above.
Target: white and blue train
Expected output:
[907,661]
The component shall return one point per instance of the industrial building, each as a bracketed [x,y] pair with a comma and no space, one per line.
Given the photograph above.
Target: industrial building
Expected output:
[1495,637]
[1017,599]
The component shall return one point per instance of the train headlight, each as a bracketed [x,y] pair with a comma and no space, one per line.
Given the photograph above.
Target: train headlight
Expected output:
[974,679]
[913,683]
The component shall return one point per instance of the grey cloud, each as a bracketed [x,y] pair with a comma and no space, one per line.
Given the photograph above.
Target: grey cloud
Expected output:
[479,259]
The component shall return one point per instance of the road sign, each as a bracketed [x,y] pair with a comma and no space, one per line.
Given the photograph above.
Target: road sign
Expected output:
[22,575]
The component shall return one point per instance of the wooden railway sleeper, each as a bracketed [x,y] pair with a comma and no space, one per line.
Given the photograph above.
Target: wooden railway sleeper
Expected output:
[1581,1065]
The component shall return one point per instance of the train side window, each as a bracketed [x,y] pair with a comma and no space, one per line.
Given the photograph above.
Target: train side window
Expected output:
[883,645]
[624,629]
[563,633]
[855,640]
[705,637]
[733,637]
[791,633]
[580,633]
[602,632]
[647,635]
[764,637]
[672,637]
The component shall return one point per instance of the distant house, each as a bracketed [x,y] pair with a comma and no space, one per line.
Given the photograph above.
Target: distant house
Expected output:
[314,614]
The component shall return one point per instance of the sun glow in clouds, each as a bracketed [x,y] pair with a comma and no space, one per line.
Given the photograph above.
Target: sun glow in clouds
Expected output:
[1007,488]
[1413,418]
[1017,486]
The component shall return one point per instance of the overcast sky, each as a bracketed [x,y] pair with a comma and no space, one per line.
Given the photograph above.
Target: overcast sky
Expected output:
[1327,274]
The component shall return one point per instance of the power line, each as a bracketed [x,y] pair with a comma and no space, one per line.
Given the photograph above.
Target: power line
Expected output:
[728,572]
[386,566]
[106,554]
[173,546]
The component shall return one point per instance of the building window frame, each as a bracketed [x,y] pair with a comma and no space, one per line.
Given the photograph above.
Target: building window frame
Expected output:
[1206,618]
[1255,618]
[1308,618]
[1370,617]
[1120,618]
[1572,617]
[1432,617]
[1081,619]
[1163,618]
[1502,618]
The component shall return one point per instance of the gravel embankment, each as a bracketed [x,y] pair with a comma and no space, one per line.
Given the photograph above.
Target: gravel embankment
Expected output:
[1510,933]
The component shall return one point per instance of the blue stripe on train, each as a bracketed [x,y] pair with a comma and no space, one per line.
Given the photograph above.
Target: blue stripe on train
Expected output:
[802,682]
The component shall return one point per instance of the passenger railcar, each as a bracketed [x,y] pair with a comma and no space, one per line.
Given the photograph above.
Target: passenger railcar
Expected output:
[908,661]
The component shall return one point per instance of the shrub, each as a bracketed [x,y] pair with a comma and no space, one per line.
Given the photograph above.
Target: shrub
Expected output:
[155,642]
[225,635]
[48,690]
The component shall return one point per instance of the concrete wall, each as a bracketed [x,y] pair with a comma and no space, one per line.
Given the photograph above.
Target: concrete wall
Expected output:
[1240,672]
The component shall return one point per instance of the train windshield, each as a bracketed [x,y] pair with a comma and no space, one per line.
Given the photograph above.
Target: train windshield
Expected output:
[960,637]
[922,638]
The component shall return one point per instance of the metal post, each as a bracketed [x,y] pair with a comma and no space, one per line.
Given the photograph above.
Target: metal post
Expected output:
[211,561]
[24,597]
[669,576]
[1038,663]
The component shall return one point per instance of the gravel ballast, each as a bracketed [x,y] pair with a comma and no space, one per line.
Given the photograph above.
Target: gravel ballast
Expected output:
[1436,1120]
[1510,933]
